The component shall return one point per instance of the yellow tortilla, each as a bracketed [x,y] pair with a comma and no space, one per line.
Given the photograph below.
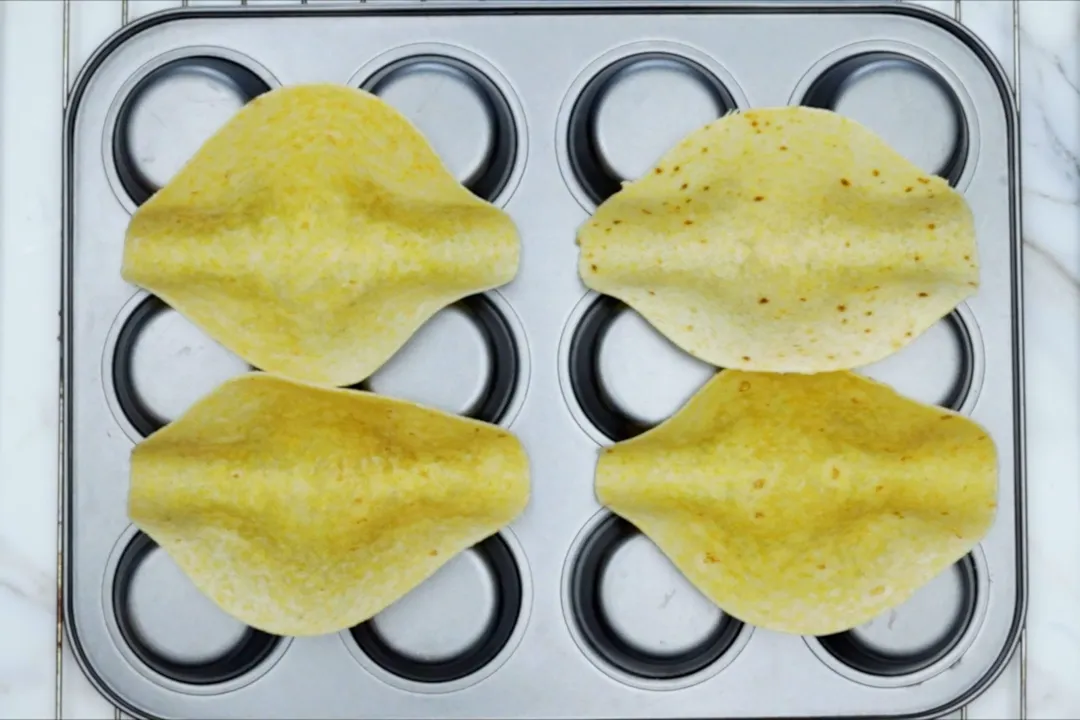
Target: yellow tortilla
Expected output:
[302,510]
[314,233]
[806,503]
[784,240]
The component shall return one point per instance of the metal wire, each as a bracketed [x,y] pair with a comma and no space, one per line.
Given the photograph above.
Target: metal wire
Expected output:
[58,697]
[1019,121]
[124,16]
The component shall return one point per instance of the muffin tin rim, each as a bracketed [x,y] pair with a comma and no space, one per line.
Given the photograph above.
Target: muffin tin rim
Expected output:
[826,62]
[135,301]
[492,552]
[973,364]
[971,632]
[135,553]
[613,54]
[131,657]
[160,60]
[480,64]
[954,655]
[513,642]
[573,554]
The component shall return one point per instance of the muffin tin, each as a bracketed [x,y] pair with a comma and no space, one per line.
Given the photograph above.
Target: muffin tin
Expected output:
[544,109]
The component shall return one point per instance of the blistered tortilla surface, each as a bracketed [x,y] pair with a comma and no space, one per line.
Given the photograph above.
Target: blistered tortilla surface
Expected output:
[303,510]
[314,233]
[806,504]
[784,240]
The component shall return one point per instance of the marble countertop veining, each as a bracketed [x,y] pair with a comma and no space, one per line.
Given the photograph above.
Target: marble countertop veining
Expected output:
[35,64]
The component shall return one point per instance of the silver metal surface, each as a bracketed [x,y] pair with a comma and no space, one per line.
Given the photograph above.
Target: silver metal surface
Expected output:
[650,604]
[636,618]
[169,108]
[646,375]
[445,615]
[644,109]
[916,97]
[450,340]
[172,634]
[466,109]
[925,620]
[943,366]
[442,101]
[632,104]
[910,644]
[480,344]
[164,363]
[173,115]
[176,620]
[543,108]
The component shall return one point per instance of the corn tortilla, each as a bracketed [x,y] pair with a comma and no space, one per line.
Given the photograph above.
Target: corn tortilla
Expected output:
[784,240]
[806,504]
[303,510]
[314,233]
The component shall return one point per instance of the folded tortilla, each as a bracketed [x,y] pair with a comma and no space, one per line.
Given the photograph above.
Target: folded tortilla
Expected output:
[302,510]
[806,503]
[784,240]
[314,233]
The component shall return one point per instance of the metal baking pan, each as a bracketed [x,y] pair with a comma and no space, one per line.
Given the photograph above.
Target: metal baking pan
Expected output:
[543,108]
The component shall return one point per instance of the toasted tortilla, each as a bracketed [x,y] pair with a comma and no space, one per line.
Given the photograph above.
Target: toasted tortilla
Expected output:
[302,510]
[314,233]
[784,240]
[806,504]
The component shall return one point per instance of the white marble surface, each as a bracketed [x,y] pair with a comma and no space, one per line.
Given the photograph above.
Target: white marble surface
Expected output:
[31,80]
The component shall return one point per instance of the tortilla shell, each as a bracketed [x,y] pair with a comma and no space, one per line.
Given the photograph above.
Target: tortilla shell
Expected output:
[314,233]
[806,504]
[301,510]
[784,240]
